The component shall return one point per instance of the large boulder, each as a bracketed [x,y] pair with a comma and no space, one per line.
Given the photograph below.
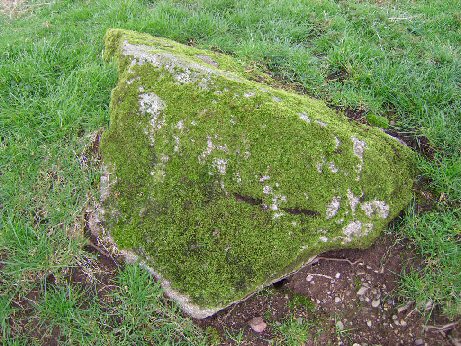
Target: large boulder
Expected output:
[221,185]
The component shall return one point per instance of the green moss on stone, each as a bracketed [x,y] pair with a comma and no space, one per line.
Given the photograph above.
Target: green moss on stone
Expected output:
[224,184]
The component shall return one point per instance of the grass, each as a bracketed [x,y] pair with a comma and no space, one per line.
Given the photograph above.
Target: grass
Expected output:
[136,315]
[439,281]
[293,331]
[400,60]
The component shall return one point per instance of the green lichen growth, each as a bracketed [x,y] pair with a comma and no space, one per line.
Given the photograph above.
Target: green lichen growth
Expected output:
[377,120]
[224,184]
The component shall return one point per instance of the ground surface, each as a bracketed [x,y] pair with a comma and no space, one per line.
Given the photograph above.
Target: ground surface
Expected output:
[341,287]
[396,59]
[350,300]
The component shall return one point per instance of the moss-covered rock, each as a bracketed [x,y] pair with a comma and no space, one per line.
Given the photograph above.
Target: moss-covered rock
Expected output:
[223,185]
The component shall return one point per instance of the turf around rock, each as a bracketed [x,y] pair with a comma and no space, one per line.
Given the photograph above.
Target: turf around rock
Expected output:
[223,184]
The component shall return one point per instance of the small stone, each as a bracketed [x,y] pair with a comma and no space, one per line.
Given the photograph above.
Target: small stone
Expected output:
[362,290]
[337,300]
[375,303]
[428,305]
[338,275]
[339,325]
[369,323]
[403,323]
[403,308]
[257,324]
[356,344]
[309,278]
[419,342]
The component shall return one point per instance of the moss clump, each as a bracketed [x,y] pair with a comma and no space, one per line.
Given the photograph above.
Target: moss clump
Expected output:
[224,185]
[377,120]
[299,301]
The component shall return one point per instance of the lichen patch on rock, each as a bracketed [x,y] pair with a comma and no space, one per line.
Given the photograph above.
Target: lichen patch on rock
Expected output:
[235,178]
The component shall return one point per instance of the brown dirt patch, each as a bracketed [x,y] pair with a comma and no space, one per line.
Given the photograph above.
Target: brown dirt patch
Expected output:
[354,301]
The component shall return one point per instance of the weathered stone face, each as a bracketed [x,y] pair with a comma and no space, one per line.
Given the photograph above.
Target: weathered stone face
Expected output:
[222,185]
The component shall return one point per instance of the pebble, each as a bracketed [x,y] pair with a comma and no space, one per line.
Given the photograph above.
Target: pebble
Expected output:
[362,290]
[375,303]
[309,278]
[428,305]
[338,275]
[257,324]
[419,342]
[403,323]
[337,300]
[339,325]
[403,308]
[369,323]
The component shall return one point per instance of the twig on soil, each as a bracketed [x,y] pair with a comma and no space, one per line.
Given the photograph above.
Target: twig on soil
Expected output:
[103,252]
[107,286]
[401,18]
[340,260]
[441,328]
[410,313]
[97,248]
[321,275]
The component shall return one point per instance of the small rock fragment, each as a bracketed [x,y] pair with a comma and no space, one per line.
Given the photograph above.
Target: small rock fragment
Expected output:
[369,323]
[337,300]
[362,290]
[375,303]
[309,278]
[340,325]
[404,308]
[257,324]
[419,342]
[403,323]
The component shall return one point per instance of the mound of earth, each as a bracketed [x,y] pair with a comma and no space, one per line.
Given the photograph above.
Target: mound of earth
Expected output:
[221,185]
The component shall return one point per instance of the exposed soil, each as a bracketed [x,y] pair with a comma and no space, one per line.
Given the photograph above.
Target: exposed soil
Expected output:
[353,296]
[418,143]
